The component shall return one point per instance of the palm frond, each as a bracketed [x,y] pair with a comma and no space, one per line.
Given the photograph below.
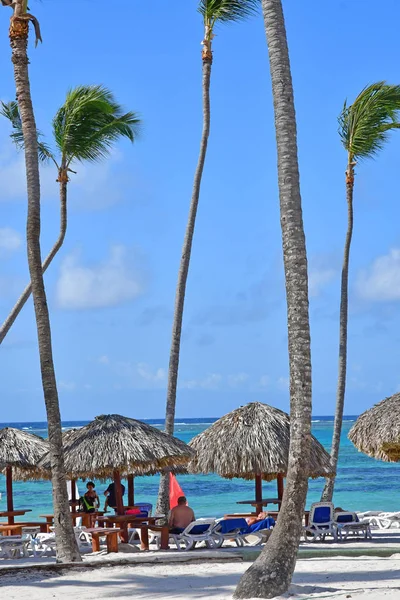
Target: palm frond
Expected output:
[10,110]
[364,126]
[90,122]
[226,11]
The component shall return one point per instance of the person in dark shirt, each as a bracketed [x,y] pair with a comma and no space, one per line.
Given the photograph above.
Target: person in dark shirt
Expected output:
[111,500]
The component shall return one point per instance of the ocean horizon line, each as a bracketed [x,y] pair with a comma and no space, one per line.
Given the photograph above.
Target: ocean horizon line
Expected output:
[154,421]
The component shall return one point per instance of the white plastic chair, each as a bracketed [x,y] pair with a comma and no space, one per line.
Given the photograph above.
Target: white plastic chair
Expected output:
[385,520]
[13,546]
[321,522]
[348,524]
[198,531]
[83,539]
[29,536]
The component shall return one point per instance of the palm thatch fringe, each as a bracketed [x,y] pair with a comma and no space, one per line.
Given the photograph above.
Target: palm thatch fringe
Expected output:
[377,431]
[113,442]
[22,451]
[252,440]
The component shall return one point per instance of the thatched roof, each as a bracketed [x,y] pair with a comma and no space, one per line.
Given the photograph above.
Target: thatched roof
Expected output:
[377,431]
[113,442]
[250,440]
[22,451]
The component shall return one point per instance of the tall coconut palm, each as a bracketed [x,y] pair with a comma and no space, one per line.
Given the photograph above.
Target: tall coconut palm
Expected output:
[272,572]
[213,12]
[364,127]
[85,128]
[67,550]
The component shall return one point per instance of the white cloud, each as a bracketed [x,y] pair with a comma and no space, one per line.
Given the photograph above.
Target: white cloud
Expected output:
[211,382]
[264,381]
[237,380]
[146,372]
[380,282]
[94,186]
[104,360]
[10,240]
[318,278]
[283,383]
[68,386]
[109,283]
[13,175]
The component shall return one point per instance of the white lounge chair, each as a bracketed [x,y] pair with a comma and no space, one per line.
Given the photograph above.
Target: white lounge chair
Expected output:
[348,524]
[321,522]
[198,531]
[12,546]
[385,520]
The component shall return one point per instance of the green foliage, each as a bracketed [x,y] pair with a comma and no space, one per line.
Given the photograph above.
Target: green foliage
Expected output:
[226,11]
[89,122]
[364,125]
[85,127]
[10,110]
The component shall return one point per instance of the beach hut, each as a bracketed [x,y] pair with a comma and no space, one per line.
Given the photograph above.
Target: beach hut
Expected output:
[377,431]
[252,442]
[20,453]
[112,446]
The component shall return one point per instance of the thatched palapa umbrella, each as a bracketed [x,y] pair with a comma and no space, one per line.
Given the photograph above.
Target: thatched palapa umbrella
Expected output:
[377,431]
[252,442]
[112,445]
[22,451]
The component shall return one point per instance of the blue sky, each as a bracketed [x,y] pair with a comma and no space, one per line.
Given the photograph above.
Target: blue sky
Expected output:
[111,289]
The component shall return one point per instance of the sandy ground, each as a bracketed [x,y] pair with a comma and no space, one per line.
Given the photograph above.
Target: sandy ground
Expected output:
[334,578]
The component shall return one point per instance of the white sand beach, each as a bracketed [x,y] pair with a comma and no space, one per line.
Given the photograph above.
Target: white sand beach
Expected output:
[334,578]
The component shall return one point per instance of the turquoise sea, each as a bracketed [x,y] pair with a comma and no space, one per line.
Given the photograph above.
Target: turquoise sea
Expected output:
[362,484]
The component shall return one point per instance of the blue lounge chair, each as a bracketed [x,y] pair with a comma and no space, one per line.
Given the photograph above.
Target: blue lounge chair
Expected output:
[321,522]
[238,530]
[348,524]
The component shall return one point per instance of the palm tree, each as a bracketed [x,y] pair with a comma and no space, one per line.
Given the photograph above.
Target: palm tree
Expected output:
[213,13]
[67,550]
[271,573]
[84,129]
[364,127]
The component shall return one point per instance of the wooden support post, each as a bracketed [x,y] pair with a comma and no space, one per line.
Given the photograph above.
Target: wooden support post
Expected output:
[118,493]
[280,485]
[73,495]
[9,486]
[131,491]
[258,482]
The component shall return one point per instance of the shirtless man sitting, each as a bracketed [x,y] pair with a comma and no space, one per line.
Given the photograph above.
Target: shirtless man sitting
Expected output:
[180,516]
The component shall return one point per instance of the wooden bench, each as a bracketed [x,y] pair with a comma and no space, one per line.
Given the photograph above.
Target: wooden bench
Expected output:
[111,536]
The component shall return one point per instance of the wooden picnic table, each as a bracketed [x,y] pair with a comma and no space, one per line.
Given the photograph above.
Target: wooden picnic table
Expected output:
[16,528]
[111,535]
[143,523]
[88,519]
[10,514]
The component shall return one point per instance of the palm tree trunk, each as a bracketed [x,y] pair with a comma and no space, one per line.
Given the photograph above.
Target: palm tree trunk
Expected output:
[67,550]
[8,323]
[163,493]
[327,494]
[272,572]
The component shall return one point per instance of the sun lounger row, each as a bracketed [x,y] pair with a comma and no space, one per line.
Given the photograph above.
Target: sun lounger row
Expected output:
[380,520]
[323,522]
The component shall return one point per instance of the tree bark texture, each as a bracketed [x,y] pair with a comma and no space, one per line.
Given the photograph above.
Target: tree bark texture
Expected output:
[272,572]
[8,323]
[67,550]
[327,494]
[163,494]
